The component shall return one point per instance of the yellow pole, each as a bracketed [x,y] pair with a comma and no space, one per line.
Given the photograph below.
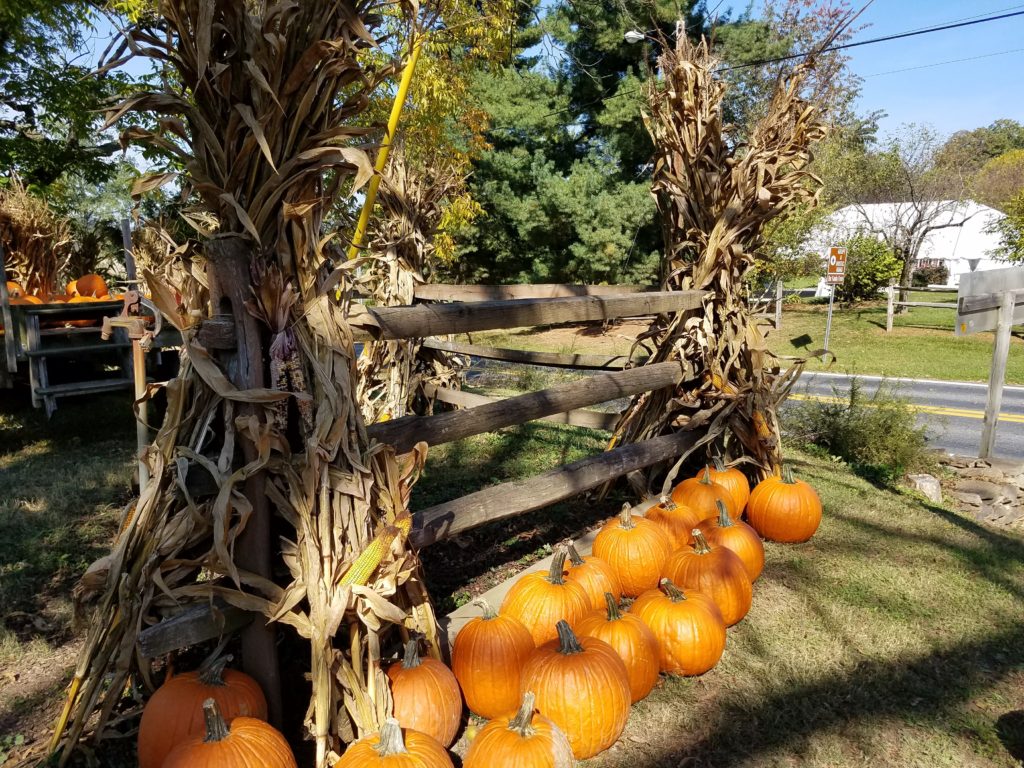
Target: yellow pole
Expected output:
[382,156]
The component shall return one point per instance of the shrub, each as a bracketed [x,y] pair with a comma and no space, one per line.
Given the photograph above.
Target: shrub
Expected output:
[876,434]
[870,265]
[924,276]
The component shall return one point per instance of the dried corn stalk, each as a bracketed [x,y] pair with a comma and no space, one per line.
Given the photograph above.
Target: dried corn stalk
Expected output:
[34,239]
[715,196]
[257,106]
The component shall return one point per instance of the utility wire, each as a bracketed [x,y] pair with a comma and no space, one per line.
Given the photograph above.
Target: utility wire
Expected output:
[941,63]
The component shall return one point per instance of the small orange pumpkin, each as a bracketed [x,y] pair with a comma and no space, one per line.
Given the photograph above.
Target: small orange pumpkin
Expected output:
[14,290]
[540,600]
[701,493]
[487,659]
[632,640]
[677,520]
[689,628]
[784,509]
[717,572]
[426,695]
[527,740]
[635,548]
[174,713]
[392,749]
[245,743]
[732,479]
[737,536]
[594,575]
[583,687]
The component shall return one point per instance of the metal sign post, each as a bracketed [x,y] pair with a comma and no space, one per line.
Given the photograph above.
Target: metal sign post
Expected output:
[834,276]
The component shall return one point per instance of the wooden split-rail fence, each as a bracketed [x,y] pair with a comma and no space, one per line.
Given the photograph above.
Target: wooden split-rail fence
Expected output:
[445,310]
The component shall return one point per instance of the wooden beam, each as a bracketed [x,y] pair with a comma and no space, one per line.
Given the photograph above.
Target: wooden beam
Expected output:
[514,498]
[551,359]
[442,292]
[576,417]
[932,304]
[422,320]
[997,374]
[10,332]
[193,625]
[405,432]
[217,333]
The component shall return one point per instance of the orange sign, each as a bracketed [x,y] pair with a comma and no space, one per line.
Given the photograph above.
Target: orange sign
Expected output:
[836,266]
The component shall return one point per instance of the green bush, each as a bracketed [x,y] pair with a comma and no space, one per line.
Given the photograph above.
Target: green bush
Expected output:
[925,276]
[877,434]
[870,265]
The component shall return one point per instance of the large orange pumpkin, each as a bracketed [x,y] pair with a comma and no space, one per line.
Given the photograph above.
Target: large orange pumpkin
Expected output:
[426,695]
[594,575]
[632,640]
[737,536]
[635,548]
[527,740]
[732,479]
[91,285]
[540,600]
[174,713]
[701,494]
[689,628]
[583,686]
[245,743]
[392,749]
[717,572]
[677,520]
[487,659]
[784,509]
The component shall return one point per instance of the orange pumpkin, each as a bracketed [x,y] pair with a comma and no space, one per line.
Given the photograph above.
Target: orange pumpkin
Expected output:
[391,749]
[732,479]
[91,285]
[737,536]
[426,695]
[594,575]
[84,322]
[487,659]
[174,713]
[14,290]
[717,572]
[583,687]
[701,494]
[245,743]
[632,640]
[677,520]
[635,548]
[527,740]
[689,628]
[784,509]
[71,289]
[539,600]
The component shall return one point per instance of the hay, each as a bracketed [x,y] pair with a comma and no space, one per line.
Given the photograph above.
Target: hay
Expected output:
[34,239]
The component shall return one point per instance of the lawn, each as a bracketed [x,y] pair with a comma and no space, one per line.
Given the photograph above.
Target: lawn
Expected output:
[892,638]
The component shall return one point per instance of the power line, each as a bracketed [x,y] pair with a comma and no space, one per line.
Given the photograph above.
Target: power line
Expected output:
[950,61]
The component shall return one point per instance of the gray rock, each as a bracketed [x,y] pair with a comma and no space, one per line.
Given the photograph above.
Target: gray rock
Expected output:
[986,490]
[1007,466]
[970,499]
[952,460]
[982,473]
[927,485]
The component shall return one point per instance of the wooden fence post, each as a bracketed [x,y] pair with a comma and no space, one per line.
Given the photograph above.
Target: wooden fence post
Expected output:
[778,305]
[10,332]
[890,294]
[998,374]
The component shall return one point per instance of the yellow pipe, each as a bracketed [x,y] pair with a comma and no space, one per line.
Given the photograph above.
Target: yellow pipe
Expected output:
[382,156]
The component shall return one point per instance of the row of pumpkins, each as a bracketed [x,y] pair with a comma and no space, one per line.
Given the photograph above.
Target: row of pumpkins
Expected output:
[86,289]
[557,669]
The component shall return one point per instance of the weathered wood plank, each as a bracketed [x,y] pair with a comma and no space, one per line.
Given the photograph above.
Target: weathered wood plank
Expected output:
[10,332]
[193,625]
[405,432]
[448,292]
[217,333]
[422,320]
[932,304]
[551,359]
[576,417]
[514,498]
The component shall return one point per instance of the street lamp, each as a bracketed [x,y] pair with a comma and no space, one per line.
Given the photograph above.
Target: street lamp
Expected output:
[634,36]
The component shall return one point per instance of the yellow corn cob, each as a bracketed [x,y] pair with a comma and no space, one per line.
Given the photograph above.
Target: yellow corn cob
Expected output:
[363,568]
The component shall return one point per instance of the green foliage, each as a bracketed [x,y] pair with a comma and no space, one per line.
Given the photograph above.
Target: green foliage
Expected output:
[876,434]
[1000,180]
[786,253]
[870,265]
[924,276]
[1011,231]
[972,149]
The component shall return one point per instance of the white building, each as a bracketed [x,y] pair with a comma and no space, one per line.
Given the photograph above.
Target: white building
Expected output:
[962,237]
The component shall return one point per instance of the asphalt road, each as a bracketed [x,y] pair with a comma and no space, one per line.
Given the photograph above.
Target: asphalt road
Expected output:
[952,410]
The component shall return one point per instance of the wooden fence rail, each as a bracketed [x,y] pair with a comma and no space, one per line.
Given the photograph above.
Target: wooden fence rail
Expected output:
[550,359]
[442,292]
[891,303]
[576,417]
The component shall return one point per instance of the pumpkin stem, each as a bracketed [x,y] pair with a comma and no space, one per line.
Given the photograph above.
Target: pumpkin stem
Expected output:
[557,566]
[700,544]
[724,521]
[567,642]
[787,475]
[626,517]
[613,607]
[216,728]
[667,504]
[411,659]
[719,464]
[522,723]
[391,742]
[705,477]
[574,557]
[675,594]
[212,671]
[488,610]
